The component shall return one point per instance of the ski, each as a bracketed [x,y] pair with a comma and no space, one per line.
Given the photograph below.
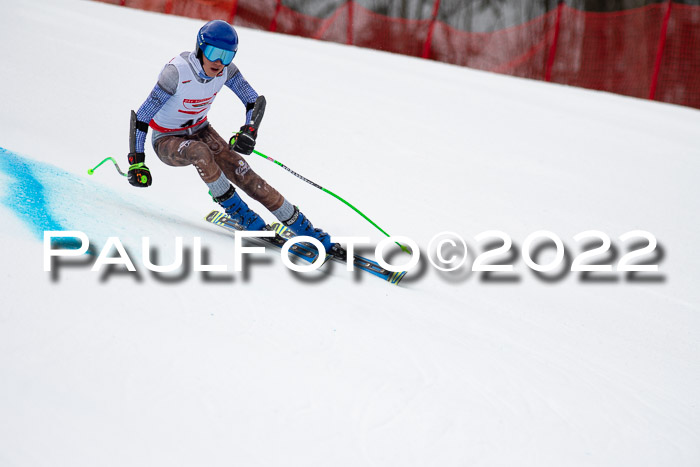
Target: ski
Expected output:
[306,251]
[339,255]
[283,234]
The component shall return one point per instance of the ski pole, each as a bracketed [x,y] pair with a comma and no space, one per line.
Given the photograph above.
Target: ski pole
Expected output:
[116,166]
[330,193]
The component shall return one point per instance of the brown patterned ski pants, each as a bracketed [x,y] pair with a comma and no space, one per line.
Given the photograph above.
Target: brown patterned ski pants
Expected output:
[210,154]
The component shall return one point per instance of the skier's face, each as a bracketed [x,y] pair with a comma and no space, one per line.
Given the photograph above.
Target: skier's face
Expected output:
[212,69]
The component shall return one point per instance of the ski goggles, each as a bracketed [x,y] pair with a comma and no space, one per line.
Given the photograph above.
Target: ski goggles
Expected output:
[214,53]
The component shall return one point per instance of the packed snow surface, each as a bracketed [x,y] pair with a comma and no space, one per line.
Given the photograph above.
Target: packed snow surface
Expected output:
[333,368]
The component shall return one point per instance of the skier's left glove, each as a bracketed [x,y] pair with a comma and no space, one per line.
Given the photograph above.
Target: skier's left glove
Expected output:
[243,142]
[138,174]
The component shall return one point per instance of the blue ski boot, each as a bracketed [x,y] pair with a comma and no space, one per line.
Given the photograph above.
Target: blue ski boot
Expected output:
[300,225]
[239,211]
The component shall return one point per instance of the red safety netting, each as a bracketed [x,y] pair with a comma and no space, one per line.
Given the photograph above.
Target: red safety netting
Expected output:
[398,35]
[679,70]
[647,52]
[519,51]
[613,51]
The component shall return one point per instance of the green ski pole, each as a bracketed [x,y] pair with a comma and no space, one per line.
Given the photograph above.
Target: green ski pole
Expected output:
[330,193]
[116,166]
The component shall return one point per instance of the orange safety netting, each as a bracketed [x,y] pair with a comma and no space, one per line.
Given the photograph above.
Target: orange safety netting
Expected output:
[646,52]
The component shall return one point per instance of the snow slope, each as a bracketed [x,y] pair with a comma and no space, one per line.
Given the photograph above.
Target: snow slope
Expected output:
[269,367]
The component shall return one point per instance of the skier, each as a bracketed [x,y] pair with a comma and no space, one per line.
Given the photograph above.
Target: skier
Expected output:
[177,110]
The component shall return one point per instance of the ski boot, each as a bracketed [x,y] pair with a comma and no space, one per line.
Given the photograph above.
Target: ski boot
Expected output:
[239,211]
[300,225]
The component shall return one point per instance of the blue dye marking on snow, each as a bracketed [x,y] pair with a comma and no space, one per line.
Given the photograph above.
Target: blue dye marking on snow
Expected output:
[26,195]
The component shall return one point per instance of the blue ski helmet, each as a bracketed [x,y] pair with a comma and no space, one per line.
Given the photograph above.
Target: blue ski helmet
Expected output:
[218,34]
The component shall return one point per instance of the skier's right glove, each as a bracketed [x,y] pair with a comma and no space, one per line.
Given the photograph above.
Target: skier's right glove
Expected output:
[138,174]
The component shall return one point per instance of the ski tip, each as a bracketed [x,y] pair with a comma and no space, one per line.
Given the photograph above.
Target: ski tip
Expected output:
[396,277]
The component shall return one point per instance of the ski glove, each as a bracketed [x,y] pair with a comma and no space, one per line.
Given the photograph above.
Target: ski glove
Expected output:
[243,142]
[138,174]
